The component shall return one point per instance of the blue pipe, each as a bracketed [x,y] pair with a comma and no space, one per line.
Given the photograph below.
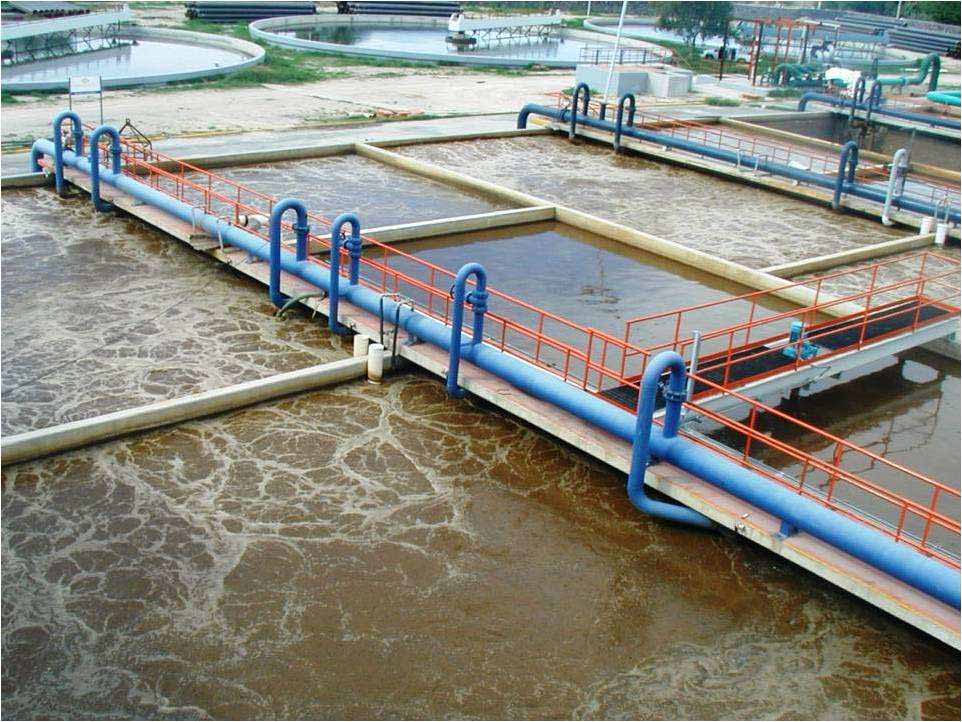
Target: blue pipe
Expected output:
[641,447]
[858,95]
[903,114]
[851,537]
[353,245]
[626,98]
[729,156]
[478,298]
[301,228]
[78,144]
[847,163]
[574,107]
[95,137]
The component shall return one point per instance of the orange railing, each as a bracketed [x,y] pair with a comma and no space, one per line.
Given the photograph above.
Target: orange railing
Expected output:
[580,355]
[850,480]
[858,315]
[592,360]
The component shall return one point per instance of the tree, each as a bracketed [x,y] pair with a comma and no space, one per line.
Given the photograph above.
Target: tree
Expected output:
[940,12]
[694,19]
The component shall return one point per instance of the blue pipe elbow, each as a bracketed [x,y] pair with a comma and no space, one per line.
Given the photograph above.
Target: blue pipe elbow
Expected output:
[95,137]
[640,450]
[847,164]
[574,107]
[78,142]
[478,298]
[353,244]
[301,228]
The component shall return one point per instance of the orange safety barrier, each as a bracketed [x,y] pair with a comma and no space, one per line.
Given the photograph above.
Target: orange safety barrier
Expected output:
[764,329]
[928,526]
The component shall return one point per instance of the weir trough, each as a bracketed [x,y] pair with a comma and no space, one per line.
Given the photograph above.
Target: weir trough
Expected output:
[909,576]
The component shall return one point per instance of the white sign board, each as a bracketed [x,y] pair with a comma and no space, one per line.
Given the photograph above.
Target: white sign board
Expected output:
[80,84]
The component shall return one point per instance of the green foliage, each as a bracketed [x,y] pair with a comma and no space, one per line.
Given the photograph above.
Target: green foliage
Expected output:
[940,12]
[724,102]
[695,19]
[8,98]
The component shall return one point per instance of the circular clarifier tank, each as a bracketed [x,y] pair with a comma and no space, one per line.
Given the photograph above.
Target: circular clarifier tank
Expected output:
[426,39]
[141,56]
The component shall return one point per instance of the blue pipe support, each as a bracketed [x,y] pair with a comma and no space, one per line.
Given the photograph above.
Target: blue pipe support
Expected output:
[95,170]
[858,540]
[847,163]
[78,144]
[674,395]
[353,245]
[626,98]
[902,114]
[574,107]
[301,229]
[478,298]
[735,158]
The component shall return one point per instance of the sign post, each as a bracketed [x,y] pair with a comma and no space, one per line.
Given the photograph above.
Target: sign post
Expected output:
[87,85]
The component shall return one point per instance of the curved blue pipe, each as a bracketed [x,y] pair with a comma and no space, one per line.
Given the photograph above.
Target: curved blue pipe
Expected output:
[847,163]
[903,114]
[95,137]
[301,228]
[729,156]
[478,298]
[628,98]
[78,144]
[353,245]
[851,537]
[574,107]
[858,95]
[641,447]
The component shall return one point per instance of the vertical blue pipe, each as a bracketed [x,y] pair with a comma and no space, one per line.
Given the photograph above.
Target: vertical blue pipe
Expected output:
[301,228]
[574,107]
[640,451]
[95,137]
[78,144]
[353,245]
[626,98]
[848,162]
[478,298]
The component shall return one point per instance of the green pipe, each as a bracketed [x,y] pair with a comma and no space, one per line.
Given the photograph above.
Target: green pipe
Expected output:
[297,299]
[932,61]
[945,97]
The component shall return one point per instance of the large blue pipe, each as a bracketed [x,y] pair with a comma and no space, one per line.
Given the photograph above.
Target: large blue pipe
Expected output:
[641,447]
[301,228]
[95,137]
[851,537]
[353,245]
[78,144]
[478,298]
[735,158]
[902,114]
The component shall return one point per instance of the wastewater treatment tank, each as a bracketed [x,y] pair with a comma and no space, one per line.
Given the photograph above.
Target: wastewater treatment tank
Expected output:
[133,57]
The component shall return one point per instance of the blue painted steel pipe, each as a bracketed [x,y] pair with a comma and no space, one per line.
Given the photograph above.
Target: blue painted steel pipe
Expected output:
[353,245]
[78,144]
[849,536]
[902,114]
[847,163]
[735,158]
[301,228]
[478,298]
[674,394]
[95,137]
[574,107]
[628,98]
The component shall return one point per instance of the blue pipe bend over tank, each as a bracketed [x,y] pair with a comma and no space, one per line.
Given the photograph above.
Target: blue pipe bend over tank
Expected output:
[730,156]
[641,446]
[95,171]
[301,229]
[903,114]
[851,537]
[78,145]
[478,298]
[353,245]
[847,165]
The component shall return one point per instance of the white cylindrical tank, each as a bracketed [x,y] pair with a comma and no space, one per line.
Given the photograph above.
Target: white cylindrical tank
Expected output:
[361,343]
[375,363]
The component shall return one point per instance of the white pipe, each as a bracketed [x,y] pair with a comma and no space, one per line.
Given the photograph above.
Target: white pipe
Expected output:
[941,231]
[611,65]
[75,434]
[361,343]
[375,363]
[928,224]
[896,180]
